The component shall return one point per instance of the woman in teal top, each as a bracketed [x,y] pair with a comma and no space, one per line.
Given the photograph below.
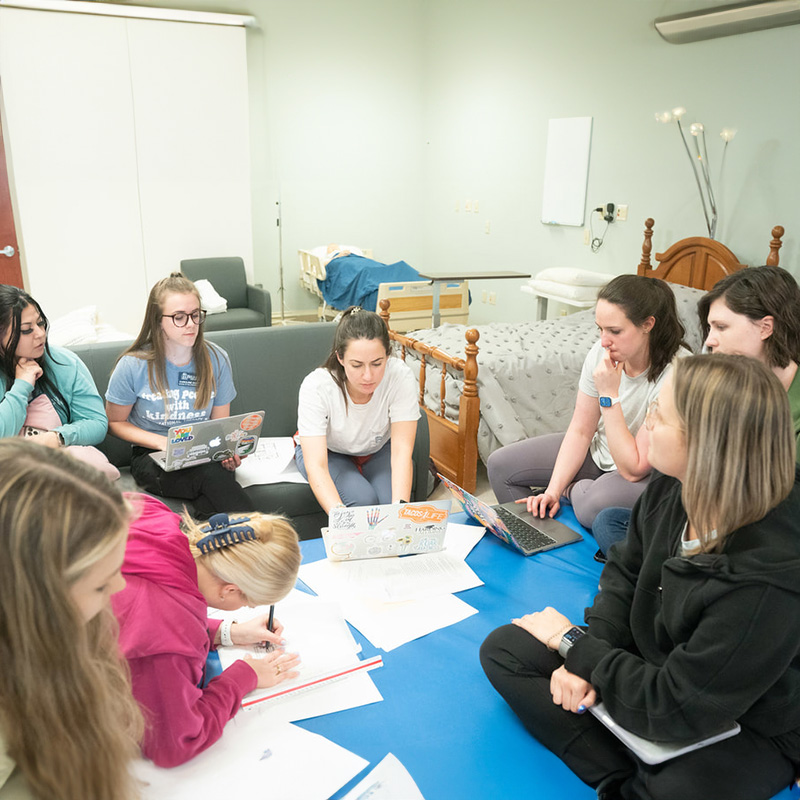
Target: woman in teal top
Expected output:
[32,369]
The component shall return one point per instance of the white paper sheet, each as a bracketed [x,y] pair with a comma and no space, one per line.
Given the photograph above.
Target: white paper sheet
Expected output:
[273,462]
[317,631]
[390,579]
[460,539]
[390,780]
[255,757]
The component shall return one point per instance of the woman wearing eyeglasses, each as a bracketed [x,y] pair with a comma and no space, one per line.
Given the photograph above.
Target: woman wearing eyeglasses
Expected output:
[697,622]
[170,375]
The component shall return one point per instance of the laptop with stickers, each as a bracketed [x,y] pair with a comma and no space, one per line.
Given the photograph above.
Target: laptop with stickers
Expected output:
[399,529]
[190,444]
[514,524]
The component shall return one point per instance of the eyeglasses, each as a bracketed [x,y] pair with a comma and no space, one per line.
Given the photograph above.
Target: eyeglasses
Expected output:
[654,417]
[181,320]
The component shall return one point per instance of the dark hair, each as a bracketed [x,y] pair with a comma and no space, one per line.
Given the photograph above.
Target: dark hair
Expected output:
[356,323]
[13,301]
[758,292]
[640,298]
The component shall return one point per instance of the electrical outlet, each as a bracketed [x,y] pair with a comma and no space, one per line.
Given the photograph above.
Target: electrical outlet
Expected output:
[475,206]
[483,296]
[622,213]
[492,298]
[587,236]
[488,227]
[468,205]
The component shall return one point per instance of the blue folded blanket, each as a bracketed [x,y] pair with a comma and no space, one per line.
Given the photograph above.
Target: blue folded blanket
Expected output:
[354,280]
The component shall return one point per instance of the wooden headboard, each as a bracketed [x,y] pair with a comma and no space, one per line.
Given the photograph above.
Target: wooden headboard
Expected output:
[697,261]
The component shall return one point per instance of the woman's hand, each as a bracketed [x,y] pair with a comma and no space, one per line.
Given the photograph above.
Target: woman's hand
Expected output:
[544,625]
[571,692]
[48,439]
[542,505]
[29,370]
[274,668]
[255,630]
[231,463]
[607,376]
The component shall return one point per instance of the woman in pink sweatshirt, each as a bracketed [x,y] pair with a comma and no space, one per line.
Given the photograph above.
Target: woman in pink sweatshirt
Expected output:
[174,571]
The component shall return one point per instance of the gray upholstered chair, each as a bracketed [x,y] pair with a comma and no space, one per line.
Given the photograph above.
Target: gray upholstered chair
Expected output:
[248,305]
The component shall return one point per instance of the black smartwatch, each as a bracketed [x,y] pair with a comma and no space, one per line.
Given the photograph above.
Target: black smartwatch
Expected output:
[569,639]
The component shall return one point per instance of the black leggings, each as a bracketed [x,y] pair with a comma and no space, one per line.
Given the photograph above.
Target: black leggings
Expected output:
[210,487]
[745,767]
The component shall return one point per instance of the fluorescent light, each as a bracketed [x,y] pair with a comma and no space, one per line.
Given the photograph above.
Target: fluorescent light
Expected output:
[135,12]
[728,20]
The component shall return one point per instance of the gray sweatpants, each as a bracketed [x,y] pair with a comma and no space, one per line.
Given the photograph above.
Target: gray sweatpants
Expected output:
[513,469]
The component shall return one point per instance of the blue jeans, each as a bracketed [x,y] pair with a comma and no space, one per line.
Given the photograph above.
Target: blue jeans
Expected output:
[609,526]
[370,486]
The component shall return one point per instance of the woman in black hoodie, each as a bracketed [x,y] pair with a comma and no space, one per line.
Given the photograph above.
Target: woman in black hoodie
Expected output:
[697,622]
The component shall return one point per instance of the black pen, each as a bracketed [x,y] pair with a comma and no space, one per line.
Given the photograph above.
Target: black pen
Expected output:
[271,619]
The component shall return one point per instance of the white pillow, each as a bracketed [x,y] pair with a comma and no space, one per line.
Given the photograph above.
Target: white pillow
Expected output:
[77,327]
[565,290]
[209,298]
[574,277]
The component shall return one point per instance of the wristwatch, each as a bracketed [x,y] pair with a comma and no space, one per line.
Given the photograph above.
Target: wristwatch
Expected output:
[607,402]
[569,639]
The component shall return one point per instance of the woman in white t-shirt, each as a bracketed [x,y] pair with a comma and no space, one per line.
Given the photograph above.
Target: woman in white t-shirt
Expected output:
[601,460]
[357,418]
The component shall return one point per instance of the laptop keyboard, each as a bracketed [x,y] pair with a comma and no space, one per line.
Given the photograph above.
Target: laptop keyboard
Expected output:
[526,535]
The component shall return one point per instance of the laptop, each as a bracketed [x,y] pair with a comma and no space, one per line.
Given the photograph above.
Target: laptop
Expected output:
[193,443]
[514,524]
[399,529]
[656,752]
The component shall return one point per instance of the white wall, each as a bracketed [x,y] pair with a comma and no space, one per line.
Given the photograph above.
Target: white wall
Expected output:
[496,74]
[372,118]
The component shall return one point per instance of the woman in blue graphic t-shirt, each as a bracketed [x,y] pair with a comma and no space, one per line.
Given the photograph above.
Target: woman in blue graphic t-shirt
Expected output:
[169,375]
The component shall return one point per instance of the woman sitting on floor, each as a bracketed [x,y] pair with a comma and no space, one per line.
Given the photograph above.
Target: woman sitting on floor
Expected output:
[753,312]
[357,418]
[174,571]
[602,458]
[697,621]
[68,724]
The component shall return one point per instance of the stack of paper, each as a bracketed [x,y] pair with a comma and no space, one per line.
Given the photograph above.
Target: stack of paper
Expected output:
[331,675]
[396,600]
[255,757]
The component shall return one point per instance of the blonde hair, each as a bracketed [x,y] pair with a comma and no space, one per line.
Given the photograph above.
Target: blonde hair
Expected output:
[265,569]
[740,442]
[67,714]
[149,344]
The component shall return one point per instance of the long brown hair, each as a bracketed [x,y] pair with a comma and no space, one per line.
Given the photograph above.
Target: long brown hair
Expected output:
[740,442]
[149,344]
[640,298]
[356,323]
[67,714]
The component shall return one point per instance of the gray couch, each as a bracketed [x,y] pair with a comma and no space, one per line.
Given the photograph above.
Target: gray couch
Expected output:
[269,365]
[249,306]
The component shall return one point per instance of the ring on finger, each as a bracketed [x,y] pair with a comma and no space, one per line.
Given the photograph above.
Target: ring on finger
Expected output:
[277,669]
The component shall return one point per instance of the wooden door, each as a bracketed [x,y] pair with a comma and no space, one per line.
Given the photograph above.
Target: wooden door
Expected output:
[10,270]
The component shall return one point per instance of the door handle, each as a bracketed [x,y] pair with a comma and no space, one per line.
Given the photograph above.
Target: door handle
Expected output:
[8,250]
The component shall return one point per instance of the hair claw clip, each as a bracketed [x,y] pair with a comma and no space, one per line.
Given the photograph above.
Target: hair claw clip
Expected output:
[222,531]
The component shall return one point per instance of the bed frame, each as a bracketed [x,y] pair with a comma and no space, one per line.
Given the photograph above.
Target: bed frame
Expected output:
[412,301]
[697,262]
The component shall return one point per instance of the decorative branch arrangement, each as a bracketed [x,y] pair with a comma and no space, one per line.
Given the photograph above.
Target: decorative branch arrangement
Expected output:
[699,161]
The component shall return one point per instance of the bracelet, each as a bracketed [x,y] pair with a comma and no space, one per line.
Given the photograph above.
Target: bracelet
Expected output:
[558,636]
[225,632]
